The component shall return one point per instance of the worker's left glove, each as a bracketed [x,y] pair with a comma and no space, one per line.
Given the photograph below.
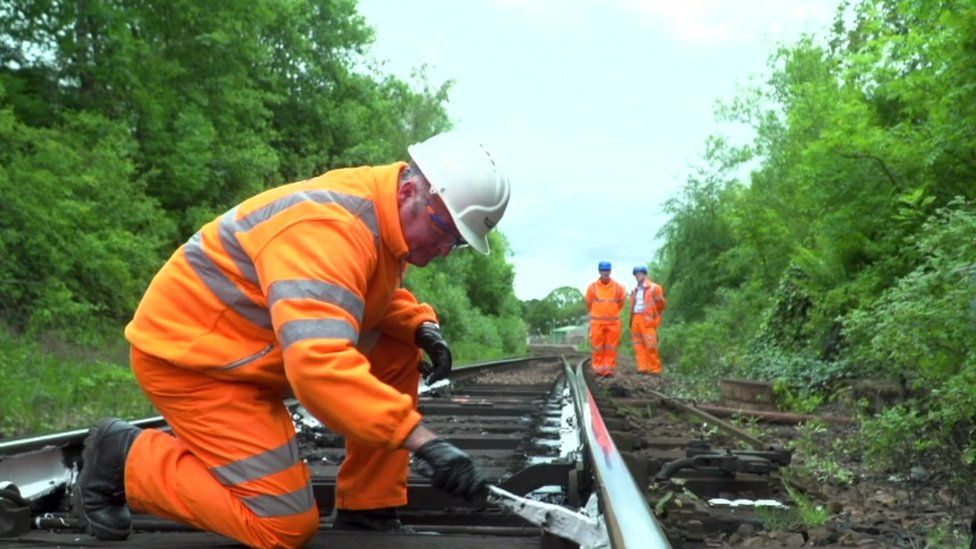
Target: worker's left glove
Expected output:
[452,469]
[431,340]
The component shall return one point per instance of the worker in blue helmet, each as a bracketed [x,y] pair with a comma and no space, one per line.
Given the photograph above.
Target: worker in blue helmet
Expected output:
[604,301]
[647,303]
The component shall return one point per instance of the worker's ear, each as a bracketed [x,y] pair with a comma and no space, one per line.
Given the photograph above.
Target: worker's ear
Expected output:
[406,190]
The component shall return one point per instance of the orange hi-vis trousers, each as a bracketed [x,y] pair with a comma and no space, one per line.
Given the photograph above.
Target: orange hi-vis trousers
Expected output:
[643,334]
[604,340]
[231,464]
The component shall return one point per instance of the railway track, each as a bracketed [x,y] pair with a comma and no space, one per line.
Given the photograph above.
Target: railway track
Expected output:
[540,428]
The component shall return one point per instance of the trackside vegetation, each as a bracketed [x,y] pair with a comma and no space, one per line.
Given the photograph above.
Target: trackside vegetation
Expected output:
[840,243]
[125,126]
[837,244]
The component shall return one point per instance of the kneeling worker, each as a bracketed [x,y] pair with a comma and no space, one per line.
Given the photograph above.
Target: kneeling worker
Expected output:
[295,291]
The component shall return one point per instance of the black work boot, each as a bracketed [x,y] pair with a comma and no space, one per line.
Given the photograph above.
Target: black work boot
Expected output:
[374,520]
[99,496]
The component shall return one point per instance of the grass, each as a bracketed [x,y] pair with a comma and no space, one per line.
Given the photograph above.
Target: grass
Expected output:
[70,387]
[947,534]
[804,513]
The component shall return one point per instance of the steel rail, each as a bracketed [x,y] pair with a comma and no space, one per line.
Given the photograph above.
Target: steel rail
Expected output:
[474,368]
[722,425]
[39,465]
[630,522]
[37,442]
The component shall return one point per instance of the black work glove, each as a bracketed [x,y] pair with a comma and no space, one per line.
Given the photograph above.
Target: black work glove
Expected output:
[453,470]
[431,340]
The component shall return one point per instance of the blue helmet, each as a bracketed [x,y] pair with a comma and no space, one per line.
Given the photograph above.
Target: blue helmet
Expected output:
[640,269]
[604,266]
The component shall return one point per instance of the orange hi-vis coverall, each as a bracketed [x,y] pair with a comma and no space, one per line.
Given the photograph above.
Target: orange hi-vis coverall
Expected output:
[604,303]
[296,290]
[647,303]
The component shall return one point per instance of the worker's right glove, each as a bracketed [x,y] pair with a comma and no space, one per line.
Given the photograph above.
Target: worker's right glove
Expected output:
[453,470]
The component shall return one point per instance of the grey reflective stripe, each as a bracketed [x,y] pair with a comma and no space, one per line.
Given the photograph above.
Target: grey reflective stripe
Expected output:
[299,501]
[368,215]
[368,340]
[229,226]
[319,328]
[258,466]
[363,208]
[228,237]
[320,291]
[248,359]
[223,287]
[604,318]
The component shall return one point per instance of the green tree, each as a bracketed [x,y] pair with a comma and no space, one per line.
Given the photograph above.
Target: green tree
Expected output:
[474,297]
[142,121]
[79,237]
[564,306]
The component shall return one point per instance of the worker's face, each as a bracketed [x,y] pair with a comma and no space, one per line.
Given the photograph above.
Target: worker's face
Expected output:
[641,277]
[428,228]
[605,275]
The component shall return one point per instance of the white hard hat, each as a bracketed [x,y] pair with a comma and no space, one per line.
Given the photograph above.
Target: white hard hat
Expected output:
[463,173]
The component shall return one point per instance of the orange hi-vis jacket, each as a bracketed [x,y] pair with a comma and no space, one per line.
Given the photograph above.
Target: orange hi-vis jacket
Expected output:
[278,291]
[653,301]
[605,301]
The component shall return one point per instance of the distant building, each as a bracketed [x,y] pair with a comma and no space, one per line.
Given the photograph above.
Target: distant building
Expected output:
[566,335]
[570,335]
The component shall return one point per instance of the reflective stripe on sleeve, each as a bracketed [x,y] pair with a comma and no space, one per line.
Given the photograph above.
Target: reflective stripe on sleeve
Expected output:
[317,290]
[318,328]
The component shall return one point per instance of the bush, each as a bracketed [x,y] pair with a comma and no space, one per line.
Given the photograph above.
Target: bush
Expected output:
[924,328]
[795,368]
[938,430]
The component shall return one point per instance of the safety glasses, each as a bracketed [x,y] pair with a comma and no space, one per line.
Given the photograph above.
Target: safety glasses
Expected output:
[443,228]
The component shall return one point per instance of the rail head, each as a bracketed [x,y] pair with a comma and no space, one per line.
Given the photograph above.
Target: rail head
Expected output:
[630,522]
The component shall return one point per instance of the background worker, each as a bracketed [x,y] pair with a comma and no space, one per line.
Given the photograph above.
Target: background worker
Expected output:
[296,290]
[604,301]
[647,304]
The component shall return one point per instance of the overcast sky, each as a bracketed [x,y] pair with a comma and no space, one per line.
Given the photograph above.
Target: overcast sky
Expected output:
[596,109]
